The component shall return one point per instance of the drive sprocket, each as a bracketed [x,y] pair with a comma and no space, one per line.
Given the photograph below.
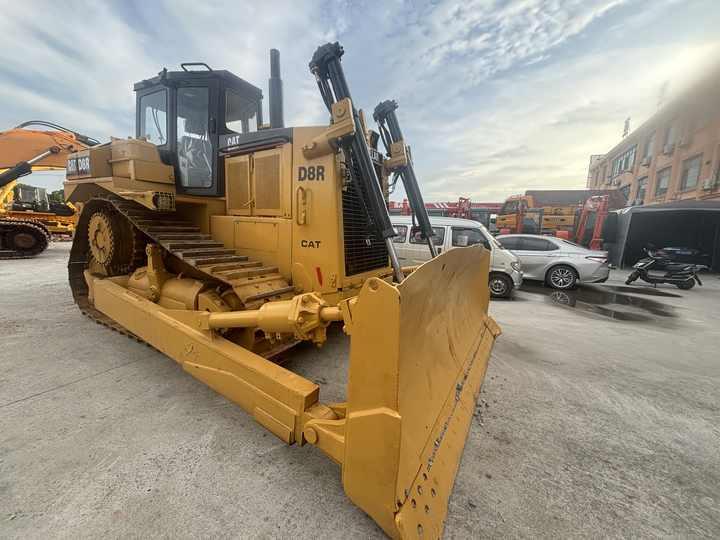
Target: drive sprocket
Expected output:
[112,242]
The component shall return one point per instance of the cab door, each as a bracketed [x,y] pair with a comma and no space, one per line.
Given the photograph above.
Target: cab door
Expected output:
[195,135]
[535,254]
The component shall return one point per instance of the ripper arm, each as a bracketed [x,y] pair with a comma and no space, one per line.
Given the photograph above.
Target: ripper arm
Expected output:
[401,164]
[330,77]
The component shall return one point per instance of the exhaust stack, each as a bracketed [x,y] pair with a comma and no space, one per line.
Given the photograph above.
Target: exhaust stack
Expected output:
[275,91]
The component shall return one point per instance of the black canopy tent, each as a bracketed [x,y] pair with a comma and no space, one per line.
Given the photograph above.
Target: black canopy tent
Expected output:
[690,223]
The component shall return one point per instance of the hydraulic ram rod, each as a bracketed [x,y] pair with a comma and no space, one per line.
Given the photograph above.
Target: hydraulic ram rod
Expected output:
[328,71]
[390,133]
[24,167]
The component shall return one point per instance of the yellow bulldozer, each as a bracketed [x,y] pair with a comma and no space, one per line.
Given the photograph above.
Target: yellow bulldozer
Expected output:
[223,241]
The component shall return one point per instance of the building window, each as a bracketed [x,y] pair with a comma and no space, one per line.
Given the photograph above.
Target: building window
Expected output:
[662,182]
[625,190]
[624,162]
[641,189]
[690,173]
[670,134]
[649,146]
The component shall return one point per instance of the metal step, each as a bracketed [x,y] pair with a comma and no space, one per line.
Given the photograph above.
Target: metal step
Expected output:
[164,223]
[213,268]
[172,228]
[247,272]
[181,245]
[216,259]
[182,236]
[193,253]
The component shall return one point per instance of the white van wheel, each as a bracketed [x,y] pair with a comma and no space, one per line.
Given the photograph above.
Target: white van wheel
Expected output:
[500,286]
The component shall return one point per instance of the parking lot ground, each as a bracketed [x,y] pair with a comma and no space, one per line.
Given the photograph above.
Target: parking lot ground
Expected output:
[599,416]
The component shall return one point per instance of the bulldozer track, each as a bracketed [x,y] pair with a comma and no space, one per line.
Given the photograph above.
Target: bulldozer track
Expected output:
[8,226]
[207,258]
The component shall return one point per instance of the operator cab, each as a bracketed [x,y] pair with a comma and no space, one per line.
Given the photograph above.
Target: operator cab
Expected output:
[186,113]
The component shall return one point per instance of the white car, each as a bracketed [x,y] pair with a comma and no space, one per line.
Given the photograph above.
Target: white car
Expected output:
[412,249]
[559,263]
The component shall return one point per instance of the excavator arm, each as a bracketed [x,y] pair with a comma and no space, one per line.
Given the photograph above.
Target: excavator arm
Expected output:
[24,167]
[23,151]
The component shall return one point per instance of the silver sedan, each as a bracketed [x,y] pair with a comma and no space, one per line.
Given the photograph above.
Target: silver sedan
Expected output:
[559,263]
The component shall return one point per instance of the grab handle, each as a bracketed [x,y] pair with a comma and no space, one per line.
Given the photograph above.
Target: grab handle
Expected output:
[301,200]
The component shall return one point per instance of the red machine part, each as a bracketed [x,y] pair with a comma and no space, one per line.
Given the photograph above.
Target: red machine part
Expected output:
[598,205]
[462,209]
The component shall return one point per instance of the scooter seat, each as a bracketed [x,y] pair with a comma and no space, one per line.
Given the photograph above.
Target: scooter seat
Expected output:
[677,267]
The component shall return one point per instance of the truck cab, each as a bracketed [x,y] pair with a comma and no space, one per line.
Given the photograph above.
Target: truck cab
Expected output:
[449,233]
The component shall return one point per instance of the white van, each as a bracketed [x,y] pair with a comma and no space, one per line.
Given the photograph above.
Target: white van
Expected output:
[505,271]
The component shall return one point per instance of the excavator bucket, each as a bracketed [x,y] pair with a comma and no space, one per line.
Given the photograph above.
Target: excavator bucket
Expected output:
[418,355]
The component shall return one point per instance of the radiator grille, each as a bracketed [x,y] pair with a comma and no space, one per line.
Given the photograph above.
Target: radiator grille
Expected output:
[364,249]
[267,182]
[237,184]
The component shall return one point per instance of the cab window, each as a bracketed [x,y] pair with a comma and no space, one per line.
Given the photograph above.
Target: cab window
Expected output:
[465,236]
[240,112]
[153,117]
[401,231]
[438,236]
[194,149]
[509,207]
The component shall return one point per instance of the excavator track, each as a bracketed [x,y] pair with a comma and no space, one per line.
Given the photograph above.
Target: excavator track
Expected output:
[201,255]
[31,238]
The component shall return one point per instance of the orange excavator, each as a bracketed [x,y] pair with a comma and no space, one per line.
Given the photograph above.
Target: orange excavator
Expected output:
[27,218]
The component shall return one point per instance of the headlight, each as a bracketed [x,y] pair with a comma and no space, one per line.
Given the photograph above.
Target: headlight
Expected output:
[515,266]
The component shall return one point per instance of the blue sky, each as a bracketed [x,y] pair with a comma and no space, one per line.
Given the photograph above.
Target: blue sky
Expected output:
[495,96]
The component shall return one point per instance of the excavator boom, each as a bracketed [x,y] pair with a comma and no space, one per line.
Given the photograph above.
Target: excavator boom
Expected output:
[26,226]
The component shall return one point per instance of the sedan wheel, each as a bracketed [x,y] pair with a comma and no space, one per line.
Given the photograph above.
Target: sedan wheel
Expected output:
[562,277]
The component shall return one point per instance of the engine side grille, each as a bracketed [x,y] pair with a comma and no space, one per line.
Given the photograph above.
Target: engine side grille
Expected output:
[364,249]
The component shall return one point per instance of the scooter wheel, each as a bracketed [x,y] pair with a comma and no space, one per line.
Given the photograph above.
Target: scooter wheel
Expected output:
[632,277]
[686,285]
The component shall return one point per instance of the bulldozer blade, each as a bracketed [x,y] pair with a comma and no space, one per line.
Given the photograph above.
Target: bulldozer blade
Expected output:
[418,355]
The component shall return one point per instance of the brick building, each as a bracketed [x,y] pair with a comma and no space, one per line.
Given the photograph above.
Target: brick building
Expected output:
[673,156]
[668,169]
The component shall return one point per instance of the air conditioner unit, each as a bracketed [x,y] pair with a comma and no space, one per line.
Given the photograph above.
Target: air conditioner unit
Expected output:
[646,161]
[668,148]
[709,183]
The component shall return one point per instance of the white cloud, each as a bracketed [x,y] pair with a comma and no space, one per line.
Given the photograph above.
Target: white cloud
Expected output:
[495,97]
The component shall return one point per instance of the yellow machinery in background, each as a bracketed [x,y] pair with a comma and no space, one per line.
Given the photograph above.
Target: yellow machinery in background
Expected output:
[222,241]
[27,218]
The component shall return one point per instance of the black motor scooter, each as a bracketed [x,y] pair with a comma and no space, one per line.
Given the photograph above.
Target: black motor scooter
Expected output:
[657,268]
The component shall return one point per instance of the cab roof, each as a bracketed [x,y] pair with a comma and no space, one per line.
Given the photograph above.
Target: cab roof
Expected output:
[170,78]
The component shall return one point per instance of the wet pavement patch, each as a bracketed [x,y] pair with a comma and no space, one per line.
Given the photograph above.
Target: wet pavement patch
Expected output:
[649,290]
[606,302]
